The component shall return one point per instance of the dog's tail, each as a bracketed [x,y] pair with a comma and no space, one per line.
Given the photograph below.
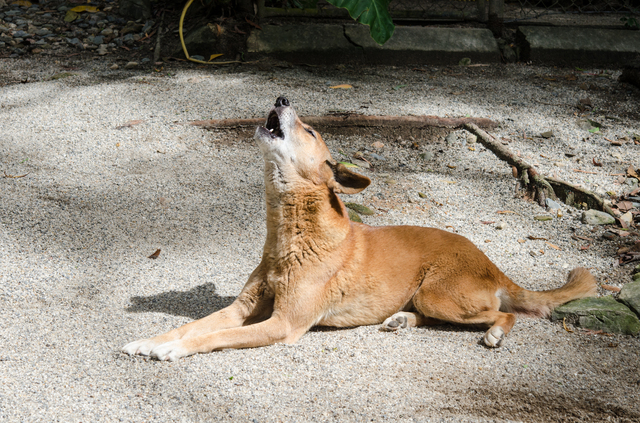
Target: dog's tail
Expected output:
[580,284]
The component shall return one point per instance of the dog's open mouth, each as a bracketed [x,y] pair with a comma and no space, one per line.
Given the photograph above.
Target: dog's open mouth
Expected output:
[273,125]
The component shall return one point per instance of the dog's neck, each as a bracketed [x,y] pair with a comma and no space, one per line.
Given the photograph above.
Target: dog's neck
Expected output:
[303,221]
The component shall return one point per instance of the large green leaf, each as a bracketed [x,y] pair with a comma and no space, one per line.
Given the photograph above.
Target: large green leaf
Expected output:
[374,13]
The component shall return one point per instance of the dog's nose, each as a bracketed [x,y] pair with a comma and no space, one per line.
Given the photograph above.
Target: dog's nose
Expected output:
[281,101]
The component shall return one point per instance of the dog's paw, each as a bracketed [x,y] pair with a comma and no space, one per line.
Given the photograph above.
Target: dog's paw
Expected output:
[395,322]
[170,351]
[140,347]
[494,337]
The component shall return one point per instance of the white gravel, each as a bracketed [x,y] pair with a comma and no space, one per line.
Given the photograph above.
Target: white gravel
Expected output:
[75,233]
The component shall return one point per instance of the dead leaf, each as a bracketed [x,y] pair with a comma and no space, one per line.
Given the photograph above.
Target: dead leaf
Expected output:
[505,212]
[521,241]
[586,101]
[625,206]
[155,255]
[451,166]
[253,24]
[571,77]
[584,238]
[213,56]
[595,163]
[555,247]
[615,143]
[514,171]
[584,247]
[564,325]
[535,238]
[632,172]
[487,222]
[342,86]
[238,31]
[79,9]
[130,124]
[6,175]
[611,288]
[595,332]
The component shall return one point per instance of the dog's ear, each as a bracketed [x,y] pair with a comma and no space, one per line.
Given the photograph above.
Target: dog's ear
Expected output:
[345,181]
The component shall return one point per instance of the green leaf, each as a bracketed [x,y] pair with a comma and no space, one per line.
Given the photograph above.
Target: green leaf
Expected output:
[594,130]
[397,87]
[347,164]
[374,13]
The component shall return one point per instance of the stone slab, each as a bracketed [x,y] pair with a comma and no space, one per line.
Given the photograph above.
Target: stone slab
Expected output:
[630,296]
[337,43]
[605,314]
[575,46]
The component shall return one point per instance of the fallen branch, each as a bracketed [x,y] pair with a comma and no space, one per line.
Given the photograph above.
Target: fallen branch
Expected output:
[536,184]
[355,120]
[540,187]
[6,175]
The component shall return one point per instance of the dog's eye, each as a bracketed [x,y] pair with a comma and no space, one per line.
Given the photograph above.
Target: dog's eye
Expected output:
[310,131]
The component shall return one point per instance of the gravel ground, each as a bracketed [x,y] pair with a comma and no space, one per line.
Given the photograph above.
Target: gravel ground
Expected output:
[99,198]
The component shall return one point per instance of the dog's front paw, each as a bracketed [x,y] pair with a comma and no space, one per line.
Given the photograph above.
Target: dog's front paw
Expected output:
[170,351]
[494,337]
[140,347]
[395,322]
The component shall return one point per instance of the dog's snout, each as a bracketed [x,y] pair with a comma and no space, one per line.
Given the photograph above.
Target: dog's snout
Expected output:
[282,101]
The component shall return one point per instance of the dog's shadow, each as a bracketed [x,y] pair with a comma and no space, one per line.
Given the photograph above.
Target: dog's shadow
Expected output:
[196,303]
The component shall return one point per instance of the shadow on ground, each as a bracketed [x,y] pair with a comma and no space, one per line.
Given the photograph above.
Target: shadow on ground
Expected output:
[196,303]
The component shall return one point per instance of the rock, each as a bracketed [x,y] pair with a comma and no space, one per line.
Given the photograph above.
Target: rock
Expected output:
[377,156]
[543,218]
[107,32]
[102,50]
[98,39]
[361,163]
[422,195]
[43,31]
[596,217]
[501,225]
[630,295]
[451,138]
[472,138]
[627,218]
[131,28]
[636,277]
[114,67]
[547,134]
[509,54]
[137,9]
[131,65]
[353,216]
[204,41]
[198,57]
[465,61]
[426,156]
[145,60]
[552,205]
[378,145]
[605,314]
[360,208]
[631,72]
[21,34]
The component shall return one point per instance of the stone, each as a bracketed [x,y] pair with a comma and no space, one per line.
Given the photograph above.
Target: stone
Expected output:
[426,156]
[102,50]
[627,218]
[107,32]
[114,67]
[636,277]
[21,34]
[353,216]
[145,60]
[605,314]
[42,31]
[630,295]
[131,28]
[501,225]
[547,134]
[98,39]
[552,205]
[472,138]
[543,218]
[596,217]
[131,65]
[451,138]
[360,209]
[136,9]
[509,54]
[574,46]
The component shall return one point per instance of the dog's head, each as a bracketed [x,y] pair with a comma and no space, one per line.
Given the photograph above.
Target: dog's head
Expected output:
[296,156]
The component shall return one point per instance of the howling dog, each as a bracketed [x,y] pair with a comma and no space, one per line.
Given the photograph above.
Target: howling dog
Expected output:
[320,268]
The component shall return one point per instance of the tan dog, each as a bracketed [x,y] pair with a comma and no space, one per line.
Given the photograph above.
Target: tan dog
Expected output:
[319,268]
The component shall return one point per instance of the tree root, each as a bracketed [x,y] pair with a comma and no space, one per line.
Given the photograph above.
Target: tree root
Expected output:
[356,120]
[538,186]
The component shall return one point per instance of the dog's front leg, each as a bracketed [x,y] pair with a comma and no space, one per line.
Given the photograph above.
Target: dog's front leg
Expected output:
[271,331]
[254,303]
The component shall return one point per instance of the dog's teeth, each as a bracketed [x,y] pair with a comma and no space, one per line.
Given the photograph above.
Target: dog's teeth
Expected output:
[270,130]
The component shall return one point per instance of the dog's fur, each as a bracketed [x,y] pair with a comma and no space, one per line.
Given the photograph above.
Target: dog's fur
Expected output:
[319,268]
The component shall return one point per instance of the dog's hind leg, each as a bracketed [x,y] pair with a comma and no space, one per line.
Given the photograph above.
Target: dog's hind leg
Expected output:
[407,319]
[466,302]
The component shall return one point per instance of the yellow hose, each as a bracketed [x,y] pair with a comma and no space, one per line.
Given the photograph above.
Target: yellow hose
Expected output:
[184,47]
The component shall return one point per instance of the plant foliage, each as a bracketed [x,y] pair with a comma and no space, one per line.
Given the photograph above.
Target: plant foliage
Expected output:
[374,13]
